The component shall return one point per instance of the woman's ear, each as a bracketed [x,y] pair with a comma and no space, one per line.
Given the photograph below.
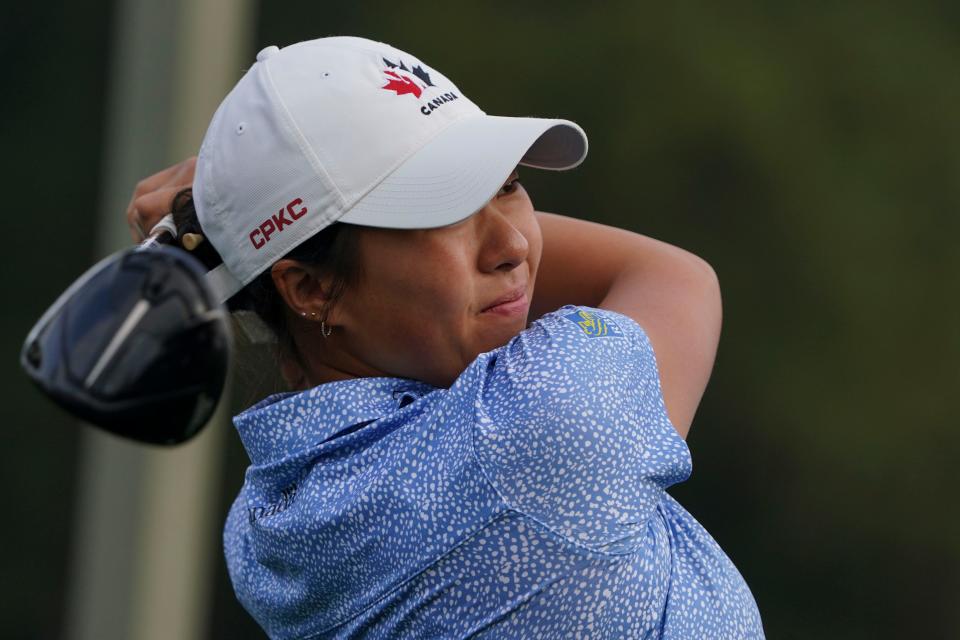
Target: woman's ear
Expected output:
[301,286]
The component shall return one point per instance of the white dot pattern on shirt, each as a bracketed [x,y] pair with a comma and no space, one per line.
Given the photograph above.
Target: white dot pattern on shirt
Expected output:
[525,501]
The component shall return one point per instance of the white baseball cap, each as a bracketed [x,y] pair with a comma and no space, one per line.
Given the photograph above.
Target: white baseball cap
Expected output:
[352,130]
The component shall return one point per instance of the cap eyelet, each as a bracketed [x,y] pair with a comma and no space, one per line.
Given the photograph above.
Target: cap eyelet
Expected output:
[241,128]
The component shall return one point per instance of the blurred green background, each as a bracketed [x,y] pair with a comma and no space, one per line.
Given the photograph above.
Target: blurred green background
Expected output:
[809,151]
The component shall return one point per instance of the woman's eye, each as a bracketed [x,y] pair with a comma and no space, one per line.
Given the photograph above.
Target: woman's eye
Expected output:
[510,186]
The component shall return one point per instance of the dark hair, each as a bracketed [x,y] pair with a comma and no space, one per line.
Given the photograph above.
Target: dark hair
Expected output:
[334,250]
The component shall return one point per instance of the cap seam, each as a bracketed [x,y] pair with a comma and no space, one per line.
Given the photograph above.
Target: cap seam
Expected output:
[300,139]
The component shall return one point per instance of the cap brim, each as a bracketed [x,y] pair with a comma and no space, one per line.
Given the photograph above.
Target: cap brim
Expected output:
[458,172]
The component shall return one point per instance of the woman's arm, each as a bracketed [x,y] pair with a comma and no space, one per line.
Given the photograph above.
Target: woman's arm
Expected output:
[673,294]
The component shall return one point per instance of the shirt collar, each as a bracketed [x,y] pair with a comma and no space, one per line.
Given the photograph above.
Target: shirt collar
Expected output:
[284,423]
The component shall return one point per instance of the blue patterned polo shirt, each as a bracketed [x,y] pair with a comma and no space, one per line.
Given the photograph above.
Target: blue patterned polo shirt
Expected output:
[526,501]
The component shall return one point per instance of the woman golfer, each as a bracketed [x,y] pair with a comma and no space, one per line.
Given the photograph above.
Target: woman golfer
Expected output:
[488,402]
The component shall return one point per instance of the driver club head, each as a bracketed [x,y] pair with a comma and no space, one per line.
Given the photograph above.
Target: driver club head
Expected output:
[138,346]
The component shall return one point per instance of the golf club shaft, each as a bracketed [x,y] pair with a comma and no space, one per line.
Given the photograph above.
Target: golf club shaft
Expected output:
[164,232]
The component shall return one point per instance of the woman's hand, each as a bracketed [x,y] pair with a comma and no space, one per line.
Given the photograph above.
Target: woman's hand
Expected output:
[153,196]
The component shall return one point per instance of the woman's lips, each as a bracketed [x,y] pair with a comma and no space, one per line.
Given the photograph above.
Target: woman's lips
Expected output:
[516,305]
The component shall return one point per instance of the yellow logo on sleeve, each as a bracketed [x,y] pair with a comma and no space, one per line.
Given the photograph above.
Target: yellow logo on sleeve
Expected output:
[594,326]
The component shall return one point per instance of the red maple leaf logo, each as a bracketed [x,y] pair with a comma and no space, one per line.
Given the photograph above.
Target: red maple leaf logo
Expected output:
[401,84]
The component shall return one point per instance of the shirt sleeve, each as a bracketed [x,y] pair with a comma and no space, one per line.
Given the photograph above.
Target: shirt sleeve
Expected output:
[571,428]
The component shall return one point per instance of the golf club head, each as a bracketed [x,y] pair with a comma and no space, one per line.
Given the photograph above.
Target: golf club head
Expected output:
[138,346]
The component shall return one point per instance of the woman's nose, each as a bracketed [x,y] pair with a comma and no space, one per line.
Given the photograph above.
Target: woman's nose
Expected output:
[504,246]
